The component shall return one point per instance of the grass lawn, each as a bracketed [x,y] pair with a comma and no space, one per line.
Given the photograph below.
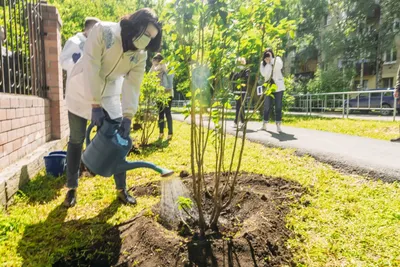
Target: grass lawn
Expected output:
[343,221]
[383,130]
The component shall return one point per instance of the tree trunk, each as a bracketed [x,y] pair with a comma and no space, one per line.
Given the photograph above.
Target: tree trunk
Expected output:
[379,61]
[362,74]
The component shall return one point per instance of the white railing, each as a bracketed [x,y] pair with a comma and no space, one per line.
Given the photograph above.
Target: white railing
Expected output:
[179,103]
[347,102]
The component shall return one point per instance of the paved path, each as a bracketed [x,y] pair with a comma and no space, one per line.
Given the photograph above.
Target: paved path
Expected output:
[375,158]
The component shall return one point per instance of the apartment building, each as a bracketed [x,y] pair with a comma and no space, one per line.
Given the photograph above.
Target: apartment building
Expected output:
[304,63]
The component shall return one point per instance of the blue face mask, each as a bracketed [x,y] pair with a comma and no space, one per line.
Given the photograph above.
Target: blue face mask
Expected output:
[141,42]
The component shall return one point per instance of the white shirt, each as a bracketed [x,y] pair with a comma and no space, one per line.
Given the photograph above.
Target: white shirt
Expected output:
[75,44]
[276,65]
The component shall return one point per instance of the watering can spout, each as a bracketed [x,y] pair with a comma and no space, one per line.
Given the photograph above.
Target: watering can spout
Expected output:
[129,165]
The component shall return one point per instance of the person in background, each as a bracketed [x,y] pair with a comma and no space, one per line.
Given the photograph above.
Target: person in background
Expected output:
[163,110]
[105,85]
[396,96]
[239,83]
[271,70]
[73,48]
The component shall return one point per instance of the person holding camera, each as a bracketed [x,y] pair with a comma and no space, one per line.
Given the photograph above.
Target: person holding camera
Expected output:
[105,85]
[271,70]
[396,96]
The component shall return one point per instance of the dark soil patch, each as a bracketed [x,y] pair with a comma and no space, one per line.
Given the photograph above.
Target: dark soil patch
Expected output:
[252,233]
[149,189]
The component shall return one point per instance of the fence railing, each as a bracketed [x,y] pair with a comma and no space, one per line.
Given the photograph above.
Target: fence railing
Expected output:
[22,48]
[347,102]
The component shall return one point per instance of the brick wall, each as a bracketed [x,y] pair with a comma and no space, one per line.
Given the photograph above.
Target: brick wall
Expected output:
[27,122]
[30,126]
[24,126]
[54,74]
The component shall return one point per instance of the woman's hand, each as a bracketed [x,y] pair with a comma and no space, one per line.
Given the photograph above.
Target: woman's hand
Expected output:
[268,59]
[97,115]
[125,128]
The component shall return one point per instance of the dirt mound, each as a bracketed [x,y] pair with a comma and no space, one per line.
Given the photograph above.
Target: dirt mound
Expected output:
[252,233]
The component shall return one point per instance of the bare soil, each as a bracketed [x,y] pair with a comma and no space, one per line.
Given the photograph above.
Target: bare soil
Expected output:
[253,232]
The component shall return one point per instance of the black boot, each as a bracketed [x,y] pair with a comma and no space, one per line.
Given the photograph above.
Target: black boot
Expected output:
[124,196]
[70,198]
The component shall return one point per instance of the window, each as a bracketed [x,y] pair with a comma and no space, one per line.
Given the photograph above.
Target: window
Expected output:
[396,25]
[327,20]
[387,82]
[363,87]
[390,56]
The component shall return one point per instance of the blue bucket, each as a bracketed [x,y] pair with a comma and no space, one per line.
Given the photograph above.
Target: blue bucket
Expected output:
[58,153]
[55,164]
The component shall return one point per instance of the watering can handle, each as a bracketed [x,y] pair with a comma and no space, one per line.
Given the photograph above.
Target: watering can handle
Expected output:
[88,131]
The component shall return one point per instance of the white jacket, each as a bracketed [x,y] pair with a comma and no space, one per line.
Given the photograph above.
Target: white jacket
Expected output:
[74,45]
[166,80]
[104,73]
[277,75]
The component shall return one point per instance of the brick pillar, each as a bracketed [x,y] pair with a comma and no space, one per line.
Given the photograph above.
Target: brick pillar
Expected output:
[52,45]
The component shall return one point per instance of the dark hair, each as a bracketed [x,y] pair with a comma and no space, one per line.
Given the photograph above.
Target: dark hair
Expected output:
[89,24]
[268,50]
[158,56]
[134,25]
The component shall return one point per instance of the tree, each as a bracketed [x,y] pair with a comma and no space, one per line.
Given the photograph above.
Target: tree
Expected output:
[208,37]
[73,12]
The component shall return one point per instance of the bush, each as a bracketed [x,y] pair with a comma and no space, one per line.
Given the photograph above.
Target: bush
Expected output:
[152,96]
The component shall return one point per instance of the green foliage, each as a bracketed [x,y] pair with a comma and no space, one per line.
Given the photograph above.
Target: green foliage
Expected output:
[152,96]
[288,99]
[184,203]
[204,41]
[326,232]
[330,80]
[73,12]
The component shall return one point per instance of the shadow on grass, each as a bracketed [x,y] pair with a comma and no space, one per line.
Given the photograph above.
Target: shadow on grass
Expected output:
[50,241]
[43,188]
[156,146]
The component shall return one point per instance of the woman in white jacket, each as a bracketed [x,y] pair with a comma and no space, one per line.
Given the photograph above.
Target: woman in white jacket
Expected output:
[105,84]
[271,70]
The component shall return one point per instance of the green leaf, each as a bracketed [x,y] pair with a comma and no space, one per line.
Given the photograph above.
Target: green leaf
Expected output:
[173,37]
[216,104]
[291,33]
[184,203]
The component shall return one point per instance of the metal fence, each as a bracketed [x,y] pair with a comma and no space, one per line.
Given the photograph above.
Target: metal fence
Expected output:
[22,48]
[348,102]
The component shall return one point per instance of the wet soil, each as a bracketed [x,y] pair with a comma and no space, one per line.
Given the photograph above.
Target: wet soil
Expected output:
[252,232]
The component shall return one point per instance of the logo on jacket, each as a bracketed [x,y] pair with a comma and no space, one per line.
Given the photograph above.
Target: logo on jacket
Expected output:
[134,59]
[108,37]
